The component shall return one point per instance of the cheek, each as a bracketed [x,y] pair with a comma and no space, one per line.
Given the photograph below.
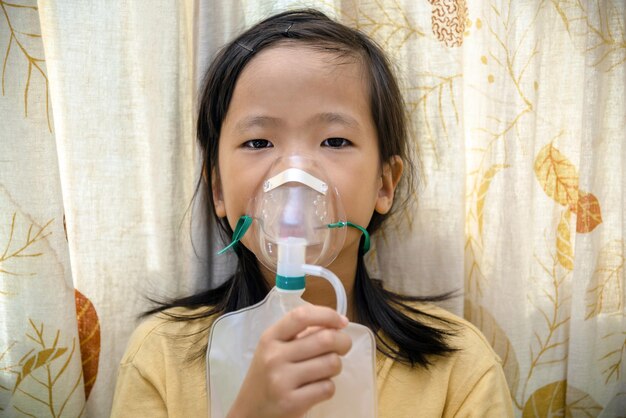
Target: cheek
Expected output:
[235,196]
[359,197]
[239,189]
[228,189]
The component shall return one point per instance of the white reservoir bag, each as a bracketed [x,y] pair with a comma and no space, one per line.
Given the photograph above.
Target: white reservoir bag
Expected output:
[234,338]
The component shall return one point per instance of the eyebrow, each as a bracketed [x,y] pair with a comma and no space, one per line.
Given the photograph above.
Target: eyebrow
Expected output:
[339,118]
[325,117]
[256,121]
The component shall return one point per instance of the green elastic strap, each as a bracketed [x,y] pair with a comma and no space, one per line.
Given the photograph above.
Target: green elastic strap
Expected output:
[290,283]
[366,235]
[242,226]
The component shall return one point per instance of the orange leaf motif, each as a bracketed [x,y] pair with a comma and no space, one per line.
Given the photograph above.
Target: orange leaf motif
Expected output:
[564,251]
[89,336]
[588,212]
[557,175]
[448,21]
[550,401]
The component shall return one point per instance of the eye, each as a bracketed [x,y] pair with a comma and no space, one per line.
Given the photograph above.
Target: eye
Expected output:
[336,143]
[258,144]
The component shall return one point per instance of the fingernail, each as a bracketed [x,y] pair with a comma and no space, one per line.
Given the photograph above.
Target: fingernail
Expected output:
[344,320]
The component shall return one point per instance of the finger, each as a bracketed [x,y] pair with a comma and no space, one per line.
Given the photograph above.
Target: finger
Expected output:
[315,369]
[322,342]
[313,393]
[309,331]
[299,319]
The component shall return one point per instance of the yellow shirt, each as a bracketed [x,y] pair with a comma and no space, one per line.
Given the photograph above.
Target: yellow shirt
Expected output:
[158,379]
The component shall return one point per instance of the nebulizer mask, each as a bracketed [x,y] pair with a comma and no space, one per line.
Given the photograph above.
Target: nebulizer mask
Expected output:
[295,226]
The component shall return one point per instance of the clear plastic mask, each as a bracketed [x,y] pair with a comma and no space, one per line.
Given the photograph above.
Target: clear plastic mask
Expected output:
[296,200]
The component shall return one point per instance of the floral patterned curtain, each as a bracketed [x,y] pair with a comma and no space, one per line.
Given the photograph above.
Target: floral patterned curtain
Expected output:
[40,331]
[96,134]
[518,110]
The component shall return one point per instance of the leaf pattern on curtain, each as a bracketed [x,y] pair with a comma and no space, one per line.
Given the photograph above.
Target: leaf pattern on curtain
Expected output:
[89,336]
[559,399]
[588,213]
[508,63]
[549,348]
[612,361]
[428,101]
[36,368]
[602,33]
[557,175]
[19,41]
[40,373]
[504,60]
[564,250]
[511,56]
[605,291]
[386,21]
[474,229]
[16,248]
[43,366]
[559,179]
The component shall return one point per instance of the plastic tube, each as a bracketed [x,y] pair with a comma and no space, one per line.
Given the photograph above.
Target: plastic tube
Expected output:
[340,291]
[291,253]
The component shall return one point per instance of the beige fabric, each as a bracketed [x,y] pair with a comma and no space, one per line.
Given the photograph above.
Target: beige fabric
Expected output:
[157,379]
[121,83]
[117,161]
[40,359]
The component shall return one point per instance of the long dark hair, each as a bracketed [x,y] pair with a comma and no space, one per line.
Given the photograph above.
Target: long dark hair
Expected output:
[400,328]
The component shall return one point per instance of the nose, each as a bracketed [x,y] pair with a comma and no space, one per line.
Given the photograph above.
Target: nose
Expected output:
[292,219]
[297,150]
[294,157]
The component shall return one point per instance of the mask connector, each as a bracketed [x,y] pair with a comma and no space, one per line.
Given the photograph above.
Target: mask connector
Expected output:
[366,235]
[291,258]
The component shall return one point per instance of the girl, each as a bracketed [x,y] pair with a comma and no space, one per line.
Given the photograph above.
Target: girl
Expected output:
[300,83]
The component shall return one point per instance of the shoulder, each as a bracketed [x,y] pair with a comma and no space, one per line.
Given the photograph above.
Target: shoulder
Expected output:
[465,336]
[473,356]
[467,382]
[476,382]
[178,330]
[162,373]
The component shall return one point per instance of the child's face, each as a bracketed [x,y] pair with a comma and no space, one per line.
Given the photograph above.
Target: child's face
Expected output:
[292,99]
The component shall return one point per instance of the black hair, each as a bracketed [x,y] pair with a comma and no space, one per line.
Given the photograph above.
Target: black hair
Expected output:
[401,329]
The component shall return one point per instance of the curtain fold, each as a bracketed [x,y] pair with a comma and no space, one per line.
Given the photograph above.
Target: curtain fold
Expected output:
[517,111]
[121,81]
[40,349]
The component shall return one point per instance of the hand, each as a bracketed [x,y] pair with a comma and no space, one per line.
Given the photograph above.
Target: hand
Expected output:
[293,364]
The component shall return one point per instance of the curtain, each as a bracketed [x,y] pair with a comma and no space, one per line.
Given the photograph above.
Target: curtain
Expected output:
[40,349]
[517,112]
[106,144]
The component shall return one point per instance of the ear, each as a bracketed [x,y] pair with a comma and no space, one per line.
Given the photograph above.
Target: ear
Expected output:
[216,190]
[390,177]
